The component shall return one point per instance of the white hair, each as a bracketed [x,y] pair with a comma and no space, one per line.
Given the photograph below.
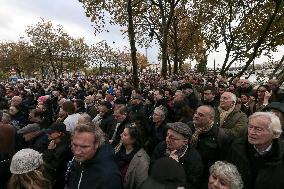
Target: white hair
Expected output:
[163,111]
[274,125]
[229,172]
[233,97]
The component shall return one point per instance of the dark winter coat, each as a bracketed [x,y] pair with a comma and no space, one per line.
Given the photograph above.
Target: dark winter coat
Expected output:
[57,159]
[39,143]
[258,172]
[108,124]
[100,172]
[157,135]
[191,162]
[212,146]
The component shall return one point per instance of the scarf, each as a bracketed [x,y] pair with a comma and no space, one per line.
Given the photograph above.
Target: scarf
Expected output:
[224,114]
[180,153]
[198,131]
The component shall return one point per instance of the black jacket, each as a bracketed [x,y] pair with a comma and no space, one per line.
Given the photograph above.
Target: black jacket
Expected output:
[212,146]
[39,143]
[108,124]
[57,159]
[100,172]
[191,162]
[157,135]
[258,172]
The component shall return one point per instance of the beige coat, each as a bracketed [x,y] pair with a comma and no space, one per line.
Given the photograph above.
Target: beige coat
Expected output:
[137,171]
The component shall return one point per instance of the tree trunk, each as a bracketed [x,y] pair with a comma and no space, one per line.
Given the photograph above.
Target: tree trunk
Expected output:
[164,46]
[176,48]
[101,69]
[170,66]
[131,35]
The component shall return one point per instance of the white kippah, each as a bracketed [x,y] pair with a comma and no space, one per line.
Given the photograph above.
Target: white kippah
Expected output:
[25,160]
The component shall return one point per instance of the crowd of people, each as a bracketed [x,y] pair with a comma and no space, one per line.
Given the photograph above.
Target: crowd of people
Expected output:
[189,131]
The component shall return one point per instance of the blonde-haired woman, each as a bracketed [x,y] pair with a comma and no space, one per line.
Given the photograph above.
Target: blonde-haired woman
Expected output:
[28,171]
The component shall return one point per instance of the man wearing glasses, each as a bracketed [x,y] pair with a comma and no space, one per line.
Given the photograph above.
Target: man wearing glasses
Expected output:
[259,156]
[177,147]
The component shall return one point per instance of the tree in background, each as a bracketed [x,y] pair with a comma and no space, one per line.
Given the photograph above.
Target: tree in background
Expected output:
[247,29]
[119,12]
[55,49]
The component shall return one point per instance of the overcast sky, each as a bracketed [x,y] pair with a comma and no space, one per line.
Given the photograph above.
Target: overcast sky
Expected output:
[16,15]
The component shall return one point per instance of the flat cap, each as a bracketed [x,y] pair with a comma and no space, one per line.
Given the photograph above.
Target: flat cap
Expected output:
[180,128]
[29,128]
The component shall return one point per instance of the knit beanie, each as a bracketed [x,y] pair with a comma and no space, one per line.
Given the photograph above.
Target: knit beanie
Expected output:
[25,160]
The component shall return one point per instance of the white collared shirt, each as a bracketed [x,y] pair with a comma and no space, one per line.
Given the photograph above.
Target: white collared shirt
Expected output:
[264,151]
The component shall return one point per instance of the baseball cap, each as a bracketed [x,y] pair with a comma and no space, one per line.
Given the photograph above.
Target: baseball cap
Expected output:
[56,127]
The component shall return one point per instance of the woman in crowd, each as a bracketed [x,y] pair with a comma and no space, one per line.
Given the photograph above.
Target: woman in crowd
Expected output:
[261,100]
[132,159]
[224,175]
[28,171]
[18,119]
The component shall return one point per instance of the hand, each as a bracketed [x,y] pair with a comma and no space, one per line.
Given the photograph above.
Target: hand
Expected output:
[267,95]
[51,145]
[174,155]
[251,100]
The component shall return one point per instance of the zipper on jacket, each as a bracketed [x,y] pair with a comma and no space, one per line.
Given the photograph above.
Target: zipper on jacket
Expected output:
[79,183]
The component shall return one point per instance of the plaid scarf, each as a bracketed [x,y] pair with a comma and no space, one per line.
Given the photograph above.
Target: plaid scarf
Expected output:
[198,131]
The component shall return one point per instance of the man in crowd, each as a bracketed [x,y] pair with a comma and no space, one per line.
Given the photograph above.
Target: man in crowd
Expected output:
[191,95]
[31,136]
[90,106]
[209,139]
[158,129]
[122,119]
[259,158]
[177,147]
[58,153]
[93,165]
[244,88]
[209,97]
[277,93]
[107,123]
[229,117]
